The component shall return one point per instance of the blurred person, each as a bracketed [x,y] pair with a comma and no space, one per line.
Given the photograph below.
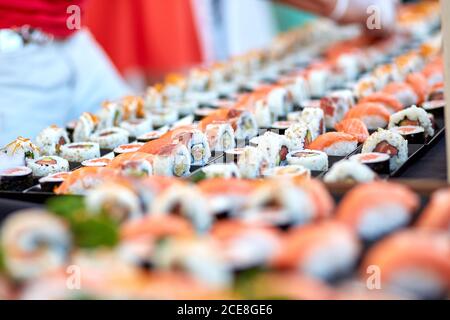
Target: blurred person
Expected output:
[51,69]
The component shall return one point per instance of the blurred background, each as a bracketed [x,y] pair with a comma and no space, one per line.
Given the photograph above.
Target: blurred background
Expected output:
[148,39]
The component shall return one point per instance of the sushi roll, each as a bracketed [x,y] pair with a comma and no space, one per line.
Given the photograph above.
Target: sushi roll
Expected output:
[18,153]
[96,162]
[349,171]
[186,201]
[275,147]
[326,251]
[335,144]
[52,181]
[46,165]
[279,203]
[365,87]
[298,88]
[354,127]
[16,179]
[86,125]
[315,119]
[318,77]
[220,136]
[137,127]
[222,170]
[244,124]
[377,208]
[389,101]
[152,135]
[172,160]
[78,152]
[245,246]
[280,102]
[436,216]
[412,134]
[280,127]
[127,148]
[403,92]
[197,144]
[110,115]
[263,116]
[391,143]
[163,117]
[378,162]
[34,243]
[413,261]
[335,105]
[51,139]
[233,155]
[299,136]
[153,99]
[374,115]
[289,171]
[115,199]
[133,108]
[252,163]
[311,159]
[110,138]
[412,116]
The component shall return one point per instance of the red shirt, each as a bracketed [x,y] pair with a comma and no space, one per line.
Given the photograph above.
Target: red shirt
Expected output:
[48,15]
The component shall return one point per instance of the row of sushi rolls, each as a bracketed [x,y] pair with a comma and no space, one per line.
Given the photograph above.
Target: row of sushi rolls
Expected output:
[323,101]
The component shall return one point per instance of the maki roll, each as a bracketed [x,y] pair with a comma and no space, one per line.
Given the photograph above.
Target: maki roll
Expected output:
[226,171]
[252,163]
[163,117]
[365,87]
[137,127]
[349,171]
[275,146]
[110,138]
[299,136]
[220,136]
[377,208]
[16,179]
[197,144]
[413,261]
[152,135]
[18,153]
[244,124]
[232,155]
[413,134]
[172,160]
[263,116]
[78,152]
[311,159]
[436,216]
[412,116]
[336,105]
[335,144]
[86,125]
[354,127]
[279,101]
[110,115]
[51,139]
[96,162]
[391,143]
[46,165]
[127,148]
[326,250]
[314,118]
[378,162]
[374,115]
[52,181]
[289,171]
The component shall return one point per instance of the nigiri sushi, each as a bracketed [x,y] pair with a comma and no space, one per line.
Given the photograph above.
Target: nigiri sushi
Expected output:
[354,127]
[374,115]
[377,208]
[389,101]
[437,214]
[419,84]
[335,143]
[403,92]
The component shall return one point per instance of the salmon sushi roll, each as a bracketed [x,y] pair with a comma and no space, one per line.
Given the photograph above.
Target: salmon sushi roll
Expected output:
[377,208]
[413,261]
[314,118]
[389,101]
[299,136]
[403,92]
[374,115]
[348,171]
[412,116]
[354,127]
[335,143]
[252,162]
[437,214]
[274,146]
[336,105]
[325,251]
[390,143]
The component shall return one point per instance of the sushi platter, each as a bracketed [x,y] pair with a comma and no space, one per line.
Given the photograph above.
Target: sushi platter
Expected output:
[276,171]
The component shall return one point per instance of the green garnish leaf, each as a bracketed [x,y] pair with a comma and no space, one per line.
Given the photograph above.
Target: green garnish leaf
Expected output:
[198,176]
